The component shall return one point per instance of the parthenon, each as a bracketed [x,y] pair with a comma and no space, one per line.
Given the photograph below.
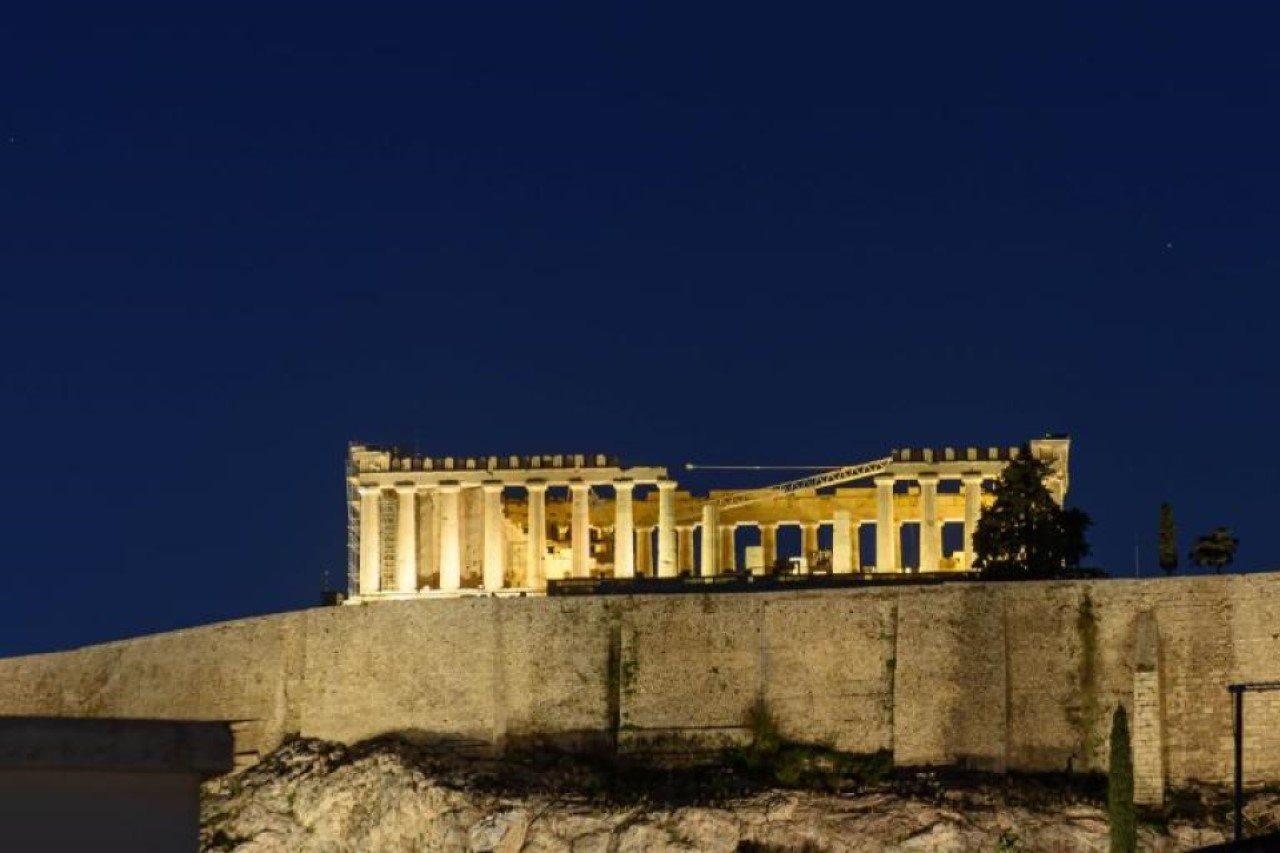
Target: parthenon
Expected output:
[422,526]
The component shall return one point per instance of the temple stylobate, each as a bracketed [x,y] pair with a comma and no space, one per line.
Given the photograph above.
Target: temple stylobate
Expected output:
[446,526]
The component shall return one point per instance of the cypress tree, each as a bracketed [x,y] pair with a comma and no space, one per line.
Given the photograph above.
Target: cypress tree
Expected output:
[1168,540]
[1121,815]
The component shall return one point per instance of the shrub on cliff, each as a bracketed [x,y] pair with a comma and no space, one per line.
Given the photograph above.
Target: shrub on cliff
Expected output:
[1024,533]
[1215,550]
[1121,815]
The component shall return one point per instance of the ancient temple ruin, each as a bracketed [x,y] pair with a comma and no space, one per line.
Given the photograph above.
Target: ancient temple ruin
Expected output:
[428,526]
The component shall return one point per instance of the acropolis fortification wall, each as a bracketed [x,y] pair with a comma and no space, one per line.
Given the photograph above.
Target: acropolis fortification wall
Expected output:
[995,675]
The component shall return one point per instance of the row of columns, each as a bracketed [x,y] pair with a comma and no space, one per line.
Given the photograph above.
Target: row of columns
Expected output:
[448,506]
[632,554]
[448,503]
[718,551]
[930,526]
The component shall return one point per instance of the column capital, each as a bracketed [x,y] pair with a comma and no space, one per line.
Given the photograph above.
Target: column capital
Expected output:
[405,488]
[666,484]
[579,486]
[927,478]
[366,489]
[972,478]
[449,486]
[538,486]
[492,487]
[885,479]
[625,483]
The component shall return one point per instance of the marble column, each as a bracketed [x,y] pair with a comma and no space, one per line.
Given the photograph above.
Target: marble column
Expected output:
[809,543]
[857,546]
[580,528]
[494,546]
[537,543]
[644,551]
[728,550]
[769,546]
[886,527]
[370,539]
[710,535]
[666,528]
[428,533]
[972,511]
[684,559]
[449,493]
[842,542]
[406,538]
[930,529]
[624,554]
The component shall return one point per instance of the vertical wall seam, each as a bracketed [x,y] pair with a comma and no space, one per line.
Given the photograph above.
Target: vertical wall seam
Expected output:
[498,676]
[1006,735]
[762,654]
[613,675]
[294,666]
[892,701]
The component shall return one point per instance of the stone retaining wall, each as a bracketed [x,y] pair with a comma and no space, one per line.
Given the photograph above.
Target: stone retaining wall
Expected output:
[992,676]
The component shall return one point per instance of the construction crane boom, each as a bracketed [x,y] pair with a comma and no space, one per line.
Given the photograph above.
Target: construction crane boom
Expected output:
[814,481]
[693,466]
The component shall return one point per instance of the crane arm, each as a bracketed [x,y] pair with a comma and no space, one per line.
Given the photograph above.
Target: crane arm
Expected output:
[814,481]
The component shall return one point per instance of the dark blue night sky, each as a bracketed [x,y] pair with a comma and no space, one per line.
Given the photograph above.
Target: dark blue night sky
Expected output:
[235,236]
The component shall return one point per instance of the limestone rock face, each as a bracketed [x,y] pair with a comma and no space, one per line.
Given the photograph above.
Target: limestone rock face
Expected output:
[317,796]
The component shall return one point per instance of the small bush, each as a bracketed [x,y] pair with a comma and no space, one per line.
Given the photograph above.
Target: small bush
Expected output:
[765,738]
[1009,842]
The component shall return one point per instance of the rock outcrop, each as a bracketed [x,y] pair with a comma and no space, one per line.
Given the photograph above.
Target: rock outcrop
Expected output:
[388,796]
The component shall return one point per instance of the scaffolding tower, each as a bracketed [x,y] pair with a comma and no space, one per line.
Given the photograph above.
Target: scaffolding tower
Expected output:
[353,526]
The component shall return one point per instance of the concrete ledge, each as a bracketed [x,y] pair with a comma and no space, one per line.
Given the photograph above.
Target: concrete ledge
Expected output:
[166,746]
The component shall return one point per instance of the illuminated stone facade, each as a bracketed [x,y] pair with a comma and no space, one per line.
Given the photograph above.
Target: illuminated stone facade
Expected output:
[449,526]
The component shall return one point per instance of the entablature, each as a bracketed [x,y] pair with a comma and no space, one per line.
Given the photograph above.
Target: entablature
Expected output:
[603,476]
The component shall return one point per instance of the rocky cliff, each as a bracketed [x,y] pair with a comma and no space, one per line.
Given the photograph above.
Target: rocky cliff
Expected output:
[387,795]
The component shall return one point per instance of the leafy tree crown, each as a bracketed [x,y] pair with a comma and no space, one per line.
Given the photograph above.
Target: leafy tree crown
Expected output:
[1215,550]
[1025,532]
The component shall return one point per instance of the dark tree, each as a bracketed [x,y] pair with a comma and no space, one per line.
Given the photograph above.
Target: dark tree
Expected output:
[1024,533]
[1168,540]
[1121,816]
[1215,550]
